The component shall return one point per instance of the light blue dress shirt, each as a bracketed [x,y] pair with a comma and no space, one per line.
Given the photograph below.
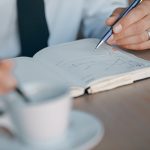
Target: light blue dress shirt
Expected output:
[65,19]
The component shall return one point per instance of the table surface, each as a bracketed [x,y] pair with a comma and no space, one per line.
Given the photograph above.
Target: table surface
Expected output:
[125,113]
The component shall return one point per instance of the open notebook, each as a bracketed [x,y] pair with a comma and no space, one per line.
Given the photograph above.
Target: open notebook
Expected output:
[83,67]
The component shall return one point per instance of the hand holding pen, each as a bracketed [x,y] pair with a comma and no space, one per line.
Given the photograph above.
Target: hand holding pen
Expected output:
[132,31]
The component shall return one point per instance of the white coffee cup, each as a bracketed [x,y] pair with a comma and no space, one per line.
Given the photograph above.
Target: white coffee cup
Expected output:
[45,118]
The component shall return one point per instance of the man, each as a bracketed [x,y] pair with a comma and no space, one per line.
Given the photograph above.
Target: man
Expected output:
[30,25]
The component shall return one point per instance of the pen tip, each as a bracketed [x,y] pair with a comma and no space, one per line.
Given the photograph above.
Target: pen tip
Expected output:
[99,44]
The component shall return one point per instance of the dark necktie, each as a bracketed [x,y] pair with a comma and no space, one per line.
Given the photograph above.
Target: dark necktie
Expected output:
[33,29]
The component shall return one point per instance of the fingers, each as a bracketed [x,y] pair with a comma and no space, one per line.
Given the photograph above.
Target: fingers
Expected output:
[134,16]
[6,65]
[114,16]
[133,39]
[7,82]
[131,31]
[136,28]
[140,46]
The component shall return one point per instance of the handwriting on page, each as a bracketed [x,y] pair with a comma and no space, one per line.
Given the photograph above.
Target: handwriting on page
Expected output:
[92,67]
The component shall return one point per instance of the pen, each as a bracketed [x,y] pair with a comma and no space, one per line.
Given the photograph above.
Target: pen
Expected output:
[110,31]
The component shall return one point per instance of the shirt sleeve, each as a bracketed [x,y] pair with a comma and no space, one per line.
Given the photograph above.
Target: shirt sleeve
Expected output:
[94,16]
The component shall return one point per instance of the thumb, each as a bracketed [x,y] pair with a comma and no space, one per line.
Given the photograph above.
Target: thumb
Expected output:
[114,16]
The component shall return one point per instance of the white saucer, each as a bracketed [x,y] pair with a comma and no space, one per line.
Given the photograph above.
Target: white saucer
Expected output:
[84,133]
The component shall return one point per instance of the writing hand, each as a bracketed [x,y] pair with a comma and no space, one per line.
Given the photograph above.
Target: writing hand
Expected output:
[131,32]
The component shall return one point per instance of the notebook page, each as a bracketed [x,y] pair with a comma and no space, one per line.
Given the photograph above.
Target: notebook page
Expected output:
[86,64]
[28,71]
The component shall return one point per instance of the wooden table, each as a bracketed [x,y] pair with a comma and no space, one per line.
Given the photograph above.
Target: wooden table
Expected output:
[125,113]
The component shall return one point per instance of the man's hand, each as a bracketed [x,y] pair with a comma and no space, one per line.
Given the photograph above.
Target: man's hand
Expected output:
[131,32]
[7,82]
